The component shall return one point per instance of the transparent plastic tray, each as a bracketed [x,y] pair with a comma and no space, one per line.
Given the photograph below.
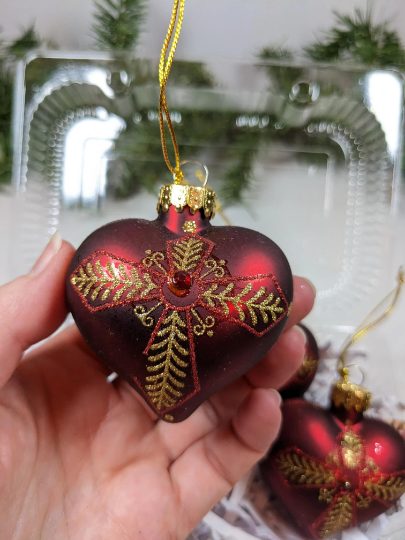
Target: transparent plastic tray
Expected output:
[320,146]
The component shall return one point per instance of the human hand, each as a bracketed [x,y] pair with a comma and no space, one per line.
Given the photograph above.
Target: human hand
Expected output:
[81,459]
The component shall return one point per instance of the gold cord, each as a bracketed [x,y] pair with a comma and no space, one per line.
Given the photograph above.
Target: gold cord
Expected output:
[369,323]
[165,64]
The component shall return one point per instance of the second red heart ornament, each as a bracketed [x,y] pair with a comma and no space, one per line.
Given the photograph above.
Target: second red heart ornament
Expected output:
[335,469]
[303,377]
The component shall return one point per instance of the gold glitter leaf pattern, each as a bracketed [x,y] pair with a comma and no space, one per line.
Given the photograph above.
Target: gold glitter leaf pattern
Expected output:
[352,450]
[264,306]
[339,518]
[363,501]
[327,495]
[165,383]
[308,366]
[388,488]
[112,279]
[300,469]
[187,253]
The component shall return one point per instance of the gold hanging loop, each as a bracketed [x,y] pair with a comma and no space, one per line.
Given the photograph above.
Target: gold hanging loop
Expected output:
[201,177]
[370,322]
[219,208]
[166,61]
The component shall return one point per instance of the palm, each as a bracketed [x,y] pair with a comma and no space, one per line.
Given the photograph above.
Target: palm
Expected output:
[90,453]
[82,459]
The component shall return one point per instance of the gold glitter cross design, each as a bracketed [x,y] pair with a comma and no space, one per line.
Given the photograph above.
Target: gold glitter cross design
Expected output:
[347,480]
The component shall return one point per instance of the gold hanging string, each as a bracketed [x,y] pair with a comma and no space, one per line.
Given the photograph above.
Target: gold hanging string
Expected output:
[165,64]
[369,323]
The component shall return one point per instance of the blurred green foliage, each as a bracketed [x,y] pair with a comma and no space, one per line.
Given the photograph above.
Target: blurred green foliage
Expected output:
[118,23]
[118,26]
[8,54]
[361,40]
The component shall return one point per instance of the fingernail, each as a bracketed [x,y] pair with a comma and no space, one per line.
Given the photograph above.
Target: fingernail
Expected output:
[54,245]
[312,285]
[279,398]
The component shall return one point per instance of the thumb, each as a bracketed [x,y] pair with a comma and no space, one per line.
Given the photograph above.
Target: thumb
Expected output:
[33,306]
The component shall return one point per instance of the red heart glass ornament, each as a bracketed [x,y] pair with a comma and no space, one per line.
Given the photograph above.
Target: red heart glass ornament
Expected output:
[335,469]
[302,379]
[177,307]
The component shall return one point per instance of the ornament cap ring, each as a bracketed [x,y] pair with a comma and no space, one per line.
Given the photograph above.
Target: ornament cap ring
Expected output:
[193,197]
[350,396]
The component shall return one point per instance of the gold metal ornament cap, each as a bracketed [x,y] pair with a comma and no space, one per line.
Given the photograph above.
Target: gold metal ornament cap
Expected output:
[350,396]
[194,197]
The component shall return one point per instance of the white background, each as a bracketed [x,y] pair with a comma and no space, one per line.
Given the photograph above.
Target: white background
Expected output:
[213,28]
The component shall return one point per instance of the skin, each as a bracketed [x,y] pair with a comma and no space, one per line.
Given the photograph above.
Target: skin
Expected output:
[83,459]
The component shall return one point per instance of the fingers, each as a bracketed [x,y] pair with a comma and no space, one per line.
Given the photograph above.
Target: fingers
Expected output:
[272,372]
[218,460]
[304,297]
[287,354]
[280,362]
[176,438]
[33,306]
[69,337]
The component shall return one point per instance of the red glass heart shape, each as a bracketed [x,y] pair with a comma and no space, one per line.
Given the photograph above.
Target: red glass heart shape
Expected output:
[330,476]
[179,315]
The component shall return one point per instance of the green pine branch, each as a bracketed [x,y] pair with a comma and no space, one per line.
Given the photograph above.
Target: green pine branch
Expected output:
[6,93]
[238,179]
[28,40]
[118,23]
[357,38]
[193,74]
[281,78]
[276,53]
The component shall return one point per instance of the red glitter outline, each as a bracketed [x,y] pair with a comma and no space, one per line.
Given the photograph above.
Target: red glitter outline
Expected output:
[156,329]
[192,350]
[134,299]
[163,411]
